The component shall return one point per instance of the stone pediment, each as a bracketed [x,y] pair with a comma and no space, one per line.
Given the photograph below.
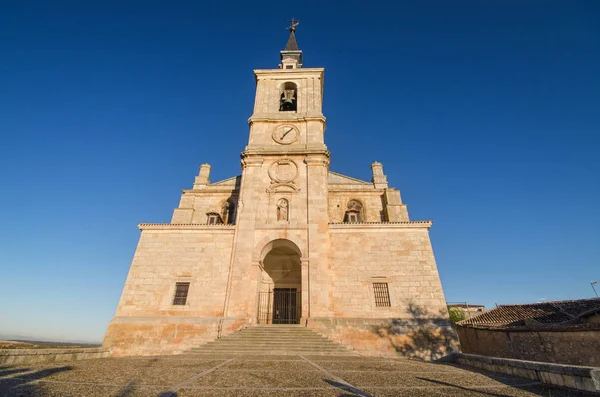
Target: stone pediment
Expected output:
[338,179]
[226,182]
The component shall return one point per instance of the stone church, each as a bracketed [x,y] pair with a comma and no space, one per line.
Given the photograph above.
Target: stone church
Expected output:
[286,242]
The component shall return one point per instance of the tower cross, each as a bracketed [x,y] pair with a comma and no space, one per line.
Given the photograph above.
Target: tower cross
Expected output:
[294,23]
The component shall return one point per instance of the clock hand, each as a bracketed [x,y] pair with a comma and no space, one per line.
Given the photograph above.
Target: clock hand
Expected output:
[285,133]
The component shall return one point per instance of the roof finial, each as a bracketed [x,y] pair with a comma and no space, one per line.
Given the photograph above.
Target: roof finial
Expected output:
[294,23]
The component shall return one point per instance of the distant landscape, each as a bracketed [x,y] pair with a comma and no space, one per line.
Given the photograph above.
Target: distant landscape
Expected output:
[34,344]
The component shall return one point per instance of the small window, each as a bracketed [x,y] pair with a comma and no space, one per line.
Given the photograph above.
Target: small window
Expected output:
[181,293]
[213,218]
[353,214]
[382,295]
[289,66]
[352,217]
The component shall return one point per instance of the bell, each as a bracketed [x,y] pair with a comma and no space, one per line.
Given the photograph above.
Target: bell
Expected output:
[288,104]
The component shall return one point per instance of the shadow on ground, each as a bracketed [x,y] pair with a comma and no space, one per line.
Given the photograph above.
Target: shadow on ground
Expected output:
[525,385]
[353,392]
[22,382]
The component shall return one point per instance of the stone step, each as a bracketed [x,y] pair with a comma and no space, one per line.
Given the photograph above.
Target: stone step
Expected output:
[265,343]
[259,351]
[278,331]
[273,339]
[209,353]
[258,347]
[268,342]
[275,328]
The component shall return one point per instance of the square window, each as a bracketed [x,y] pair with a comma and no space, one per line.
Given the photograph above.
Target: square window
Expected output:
[213,219]
[289,66]
[382,295]
[181,293]
[352,217]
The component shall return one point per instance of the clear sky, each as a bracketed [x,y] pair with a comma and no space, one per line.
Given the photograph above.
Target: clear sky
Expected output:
[485,114]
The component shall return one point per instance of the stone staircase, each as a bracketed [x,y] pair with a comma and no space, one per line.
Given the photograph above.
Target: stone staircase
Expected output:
[274,339]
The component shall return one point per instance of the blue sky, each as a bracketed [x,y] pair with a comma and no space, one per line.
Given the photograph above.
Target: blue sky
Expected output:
[486,115]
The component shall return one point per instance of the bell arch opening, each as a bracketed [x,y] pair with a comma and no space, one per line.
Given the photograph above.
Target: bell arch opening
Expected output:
[288,100]
[280,288]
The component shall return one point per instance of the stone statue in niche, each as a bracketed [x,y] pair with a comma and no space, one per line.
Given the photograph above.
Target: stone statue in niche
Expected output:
[282,210]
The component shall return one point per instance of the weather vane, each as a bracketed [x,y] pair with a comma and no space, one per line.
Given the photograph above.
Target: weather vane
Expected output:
[294,23]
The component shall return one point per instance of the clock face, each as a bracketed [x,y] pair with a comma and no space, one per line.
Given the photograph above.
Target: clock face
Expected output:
[285,134]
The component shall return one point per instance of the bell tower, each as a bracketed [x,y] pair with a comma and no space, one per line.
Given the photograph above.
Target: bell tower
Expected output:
[283,194]
[288,111]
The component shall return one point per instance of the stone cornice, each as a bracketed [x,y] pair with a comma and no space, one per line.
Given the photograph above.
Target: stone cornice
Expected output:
[354,189]
[208,190]
[184,226]
[278,151]
[381,225]
[251,162]
[281,117]
[317,160]
[283,73]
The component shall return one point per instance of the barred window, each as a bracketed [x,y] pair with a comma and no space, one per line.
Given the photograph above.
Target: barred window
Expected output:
[382,295]
[181,293]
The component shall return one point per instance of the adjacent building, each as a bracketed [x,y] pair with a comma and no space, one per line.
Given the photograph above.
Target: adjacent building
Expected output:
[565,332]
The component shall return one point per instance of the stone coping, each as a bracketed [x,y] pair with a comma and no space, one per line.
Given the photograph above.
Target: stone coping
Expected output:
[39,352]
[184,226]
[38,356]
[334,225]
[563,375]
[380,225]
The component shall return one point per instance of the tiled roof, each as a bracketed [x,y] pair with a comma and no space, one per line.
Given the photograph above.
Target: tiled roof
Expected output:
[535,314]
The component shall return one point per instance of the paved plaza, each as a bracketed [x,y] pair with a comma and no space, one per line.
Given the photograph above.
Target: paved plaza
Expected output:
[262,375]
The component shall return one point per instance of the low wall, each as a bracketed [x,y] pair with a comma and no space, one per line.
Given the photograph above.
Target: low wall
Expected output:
[576,347]
[570,376]
[425,339]
[39,356]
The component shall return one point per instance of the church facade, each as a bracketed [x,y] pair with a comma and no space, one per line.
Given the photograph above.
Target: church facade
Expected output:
[286,242]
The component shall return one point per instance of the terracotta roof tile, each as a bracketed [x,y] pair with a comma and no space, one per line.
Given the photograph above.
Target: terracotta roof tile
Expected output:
[535,314]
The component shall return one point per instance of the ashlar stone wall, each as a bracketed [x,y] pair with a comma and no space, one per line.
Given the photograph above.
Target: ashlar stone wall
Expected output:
[416,323]
[146,320]
[401,257]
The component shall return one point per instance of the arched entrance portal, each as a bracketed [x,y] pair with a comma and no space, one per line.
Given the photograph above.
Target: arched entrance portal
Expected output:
[279,296]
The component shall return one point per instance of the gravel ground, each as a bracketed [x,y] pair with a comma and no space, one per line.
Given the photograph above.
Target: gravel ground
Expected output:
[194,375]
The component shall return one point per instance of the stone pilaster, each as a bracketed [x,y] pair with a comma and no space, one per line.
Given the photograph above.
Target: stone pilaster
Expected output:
[318,235]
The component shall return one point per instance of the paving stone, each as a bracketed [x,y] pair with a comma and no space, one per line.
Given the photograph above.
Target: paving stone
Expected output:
[250,376]
[269,357]
[337,358]
[264,393]
[258,379]
[378,366]
[20,388]
[240,364]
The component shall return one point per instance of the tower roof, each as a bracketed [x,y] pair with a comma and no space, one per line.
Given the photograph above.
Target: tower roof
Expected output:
[291,49]
[291,43]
